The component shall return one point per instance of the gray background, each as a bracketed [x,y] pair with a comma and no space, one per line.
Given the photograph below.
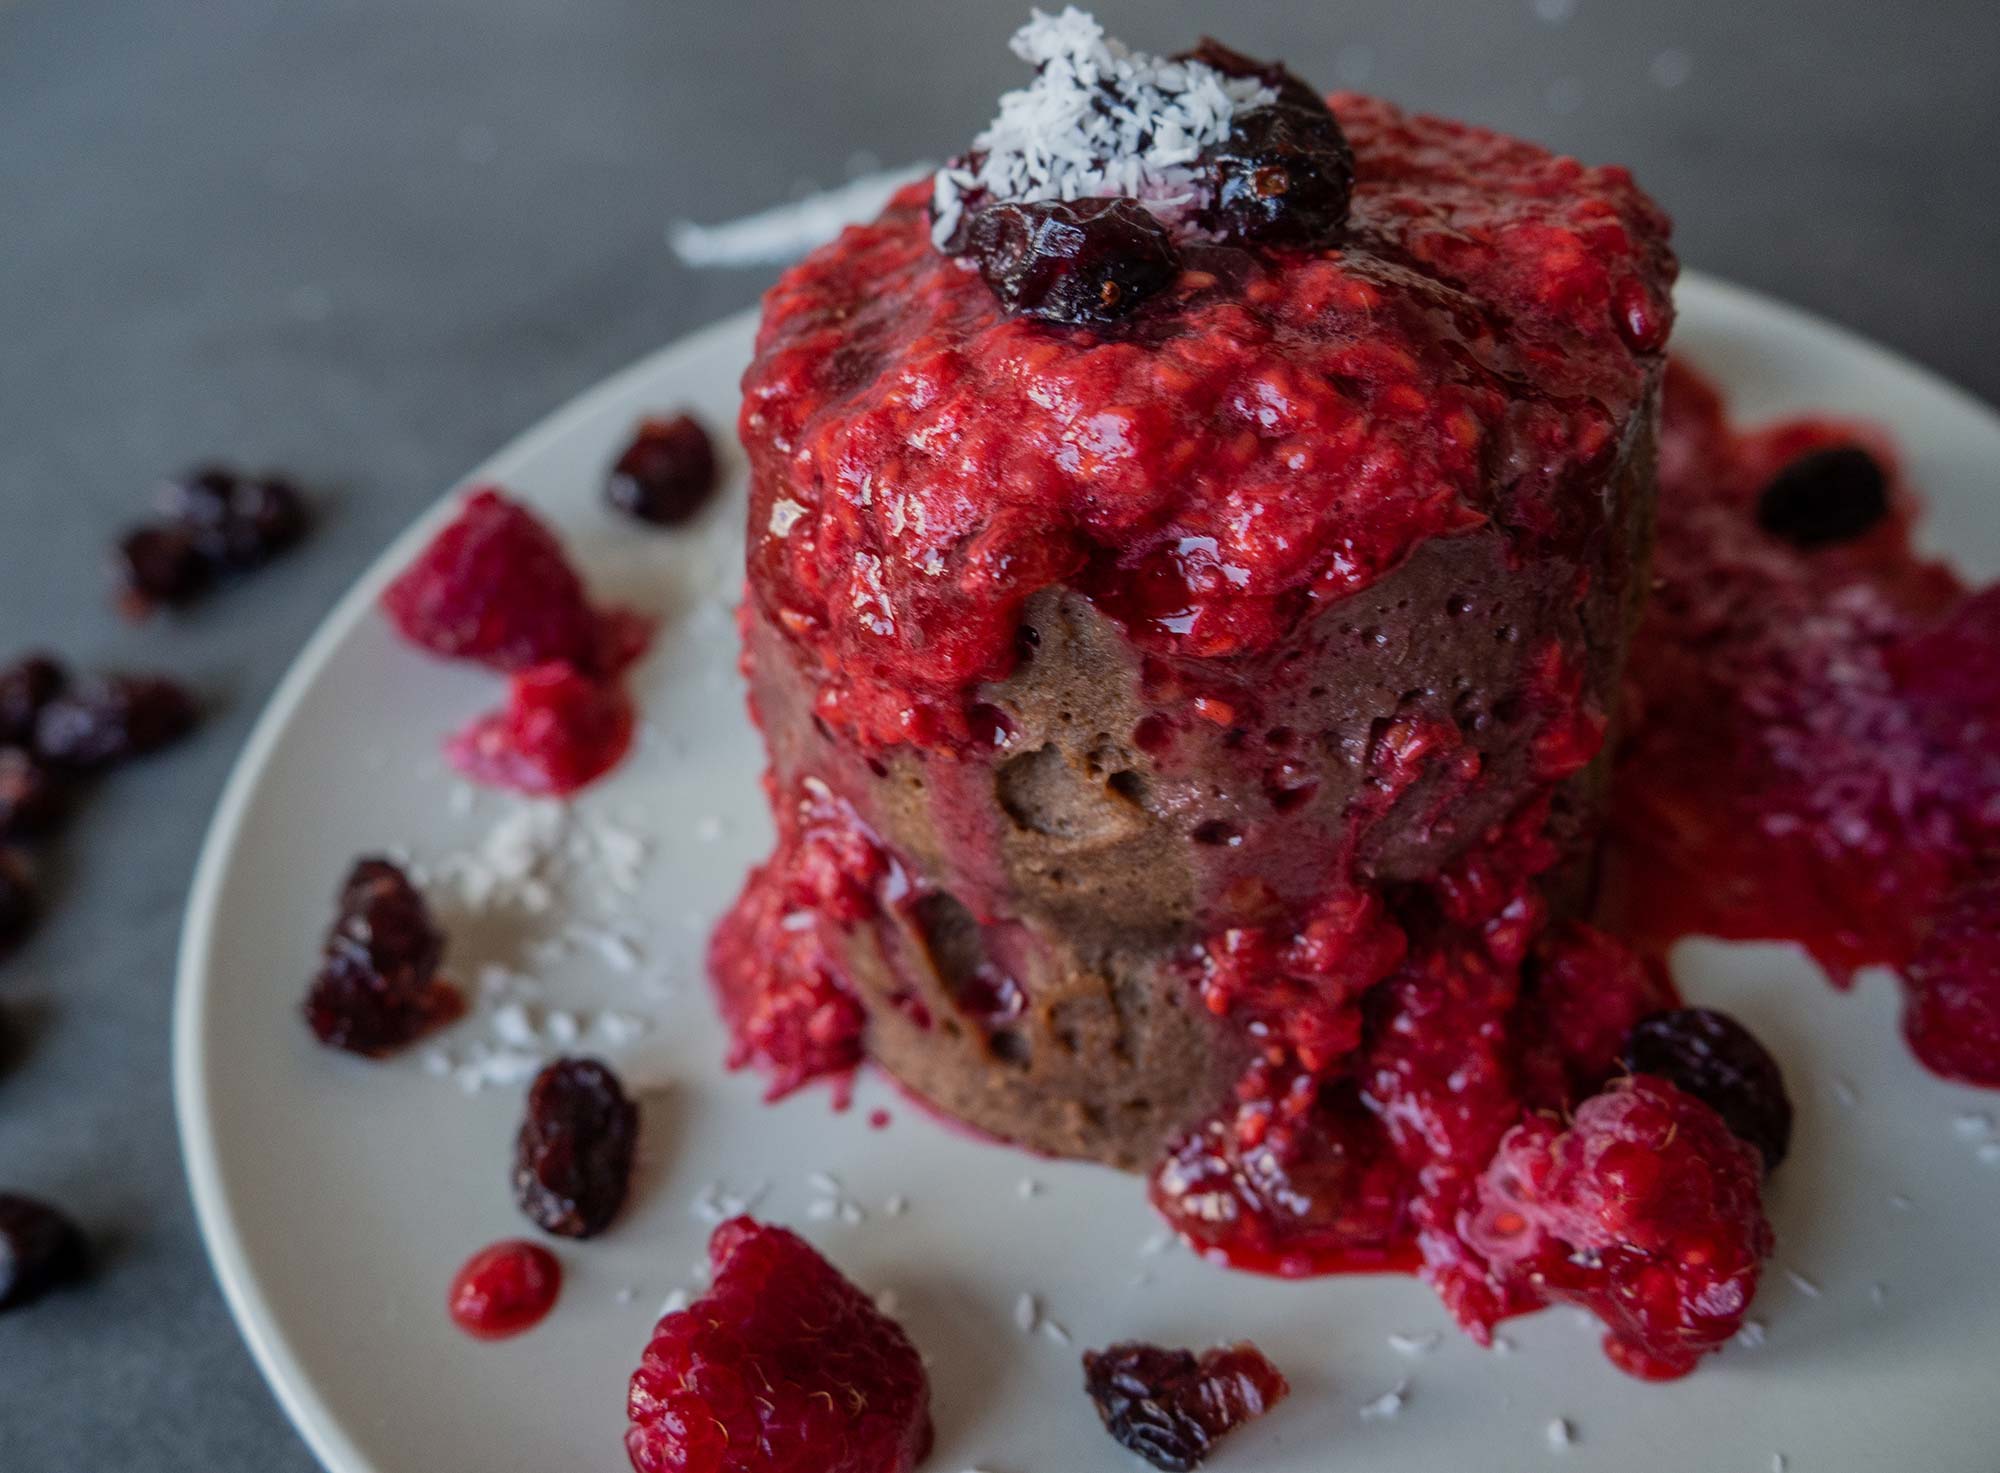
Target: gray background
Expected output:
[369,241]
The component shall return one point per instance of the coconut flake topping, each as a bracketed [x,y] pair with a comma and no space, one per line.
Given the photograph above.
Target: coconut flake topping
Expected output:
[1098,120]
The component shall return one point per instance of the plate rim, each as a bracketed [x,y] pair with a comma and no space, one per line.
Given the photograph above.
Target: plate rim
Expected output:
[317,1423]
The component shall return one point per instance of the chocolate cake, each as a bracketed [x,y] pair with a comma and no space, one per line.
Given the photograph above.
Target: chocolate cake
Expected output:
[1194,541]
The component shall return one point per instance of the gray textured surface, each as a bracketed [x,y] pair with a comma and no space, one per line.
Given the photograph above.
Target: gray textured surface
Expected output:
[369,241]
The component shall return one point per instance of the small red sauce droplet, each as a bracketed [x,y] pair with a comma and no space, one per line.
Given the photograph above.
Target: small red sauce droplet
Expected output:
[505,1289]
[878,1119]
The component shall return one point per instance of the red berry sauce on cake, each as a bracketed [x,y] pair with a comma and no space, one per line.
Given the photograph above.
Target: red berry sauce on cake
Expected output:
[1192,694]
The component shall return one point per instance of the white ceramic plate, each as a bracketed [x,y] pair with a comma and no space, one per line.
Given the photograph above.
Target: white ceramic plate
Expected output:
[338,1196]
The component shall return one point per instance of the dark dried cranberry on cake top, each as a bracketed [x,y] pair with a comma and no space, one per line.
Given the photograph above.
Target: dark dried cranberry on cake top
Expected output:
[1092,261]
[573,1157]
[377,986]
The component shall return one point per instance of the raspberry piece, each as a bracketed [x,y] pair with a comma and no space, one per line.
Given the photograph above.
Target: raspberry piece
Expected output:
[666,474]
[504,1289]
[378,986]
[111,719]
[558,731]
[1717,1060]
[495,586]
[783,1366]
[26,686]
[1953,1016]
[1170,1408]
[40,1249]
[573,1157]
[1645,1211]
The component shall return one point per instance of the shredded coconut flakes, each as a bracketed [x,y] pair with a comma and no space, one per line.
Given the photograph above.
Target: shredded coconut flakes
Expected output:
[1099,119]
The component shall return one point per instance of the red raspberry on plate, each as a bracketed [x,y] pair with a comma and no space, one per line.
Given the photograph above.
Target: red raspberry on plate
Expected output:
[558,731]
[783,1366]
[496,586]
[1645,1211]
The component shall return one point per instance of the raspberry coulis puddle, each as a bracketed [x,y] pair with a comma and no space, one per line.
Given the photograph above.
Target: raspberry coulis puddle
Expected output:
[505,1290]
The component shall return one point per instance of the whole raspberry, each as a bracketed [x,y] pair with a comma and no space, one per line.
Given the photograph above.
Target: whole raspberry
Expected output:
[783,1366]
[1170,1408]
[1953,1016]
[495,586]
[378,986]
[1718,1061]
[1645,1211]
[558,731]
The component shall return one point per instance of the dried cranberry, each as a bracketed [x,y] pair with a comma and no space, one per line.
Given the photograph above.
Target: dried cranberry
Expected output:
[377,986]
[573,1158]
[1717,1060]
[113,718]
[1291,90]
[26,686]
[237,521]
[1091,261]
[1170,1408]
[1645,1210]
[19,902]
[782,1364]
[558,732]
[504,1289]
[32,798]
[1829,496]
[495,586]
[666,474]
[40,1249]
[1283,176]
[159,567]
